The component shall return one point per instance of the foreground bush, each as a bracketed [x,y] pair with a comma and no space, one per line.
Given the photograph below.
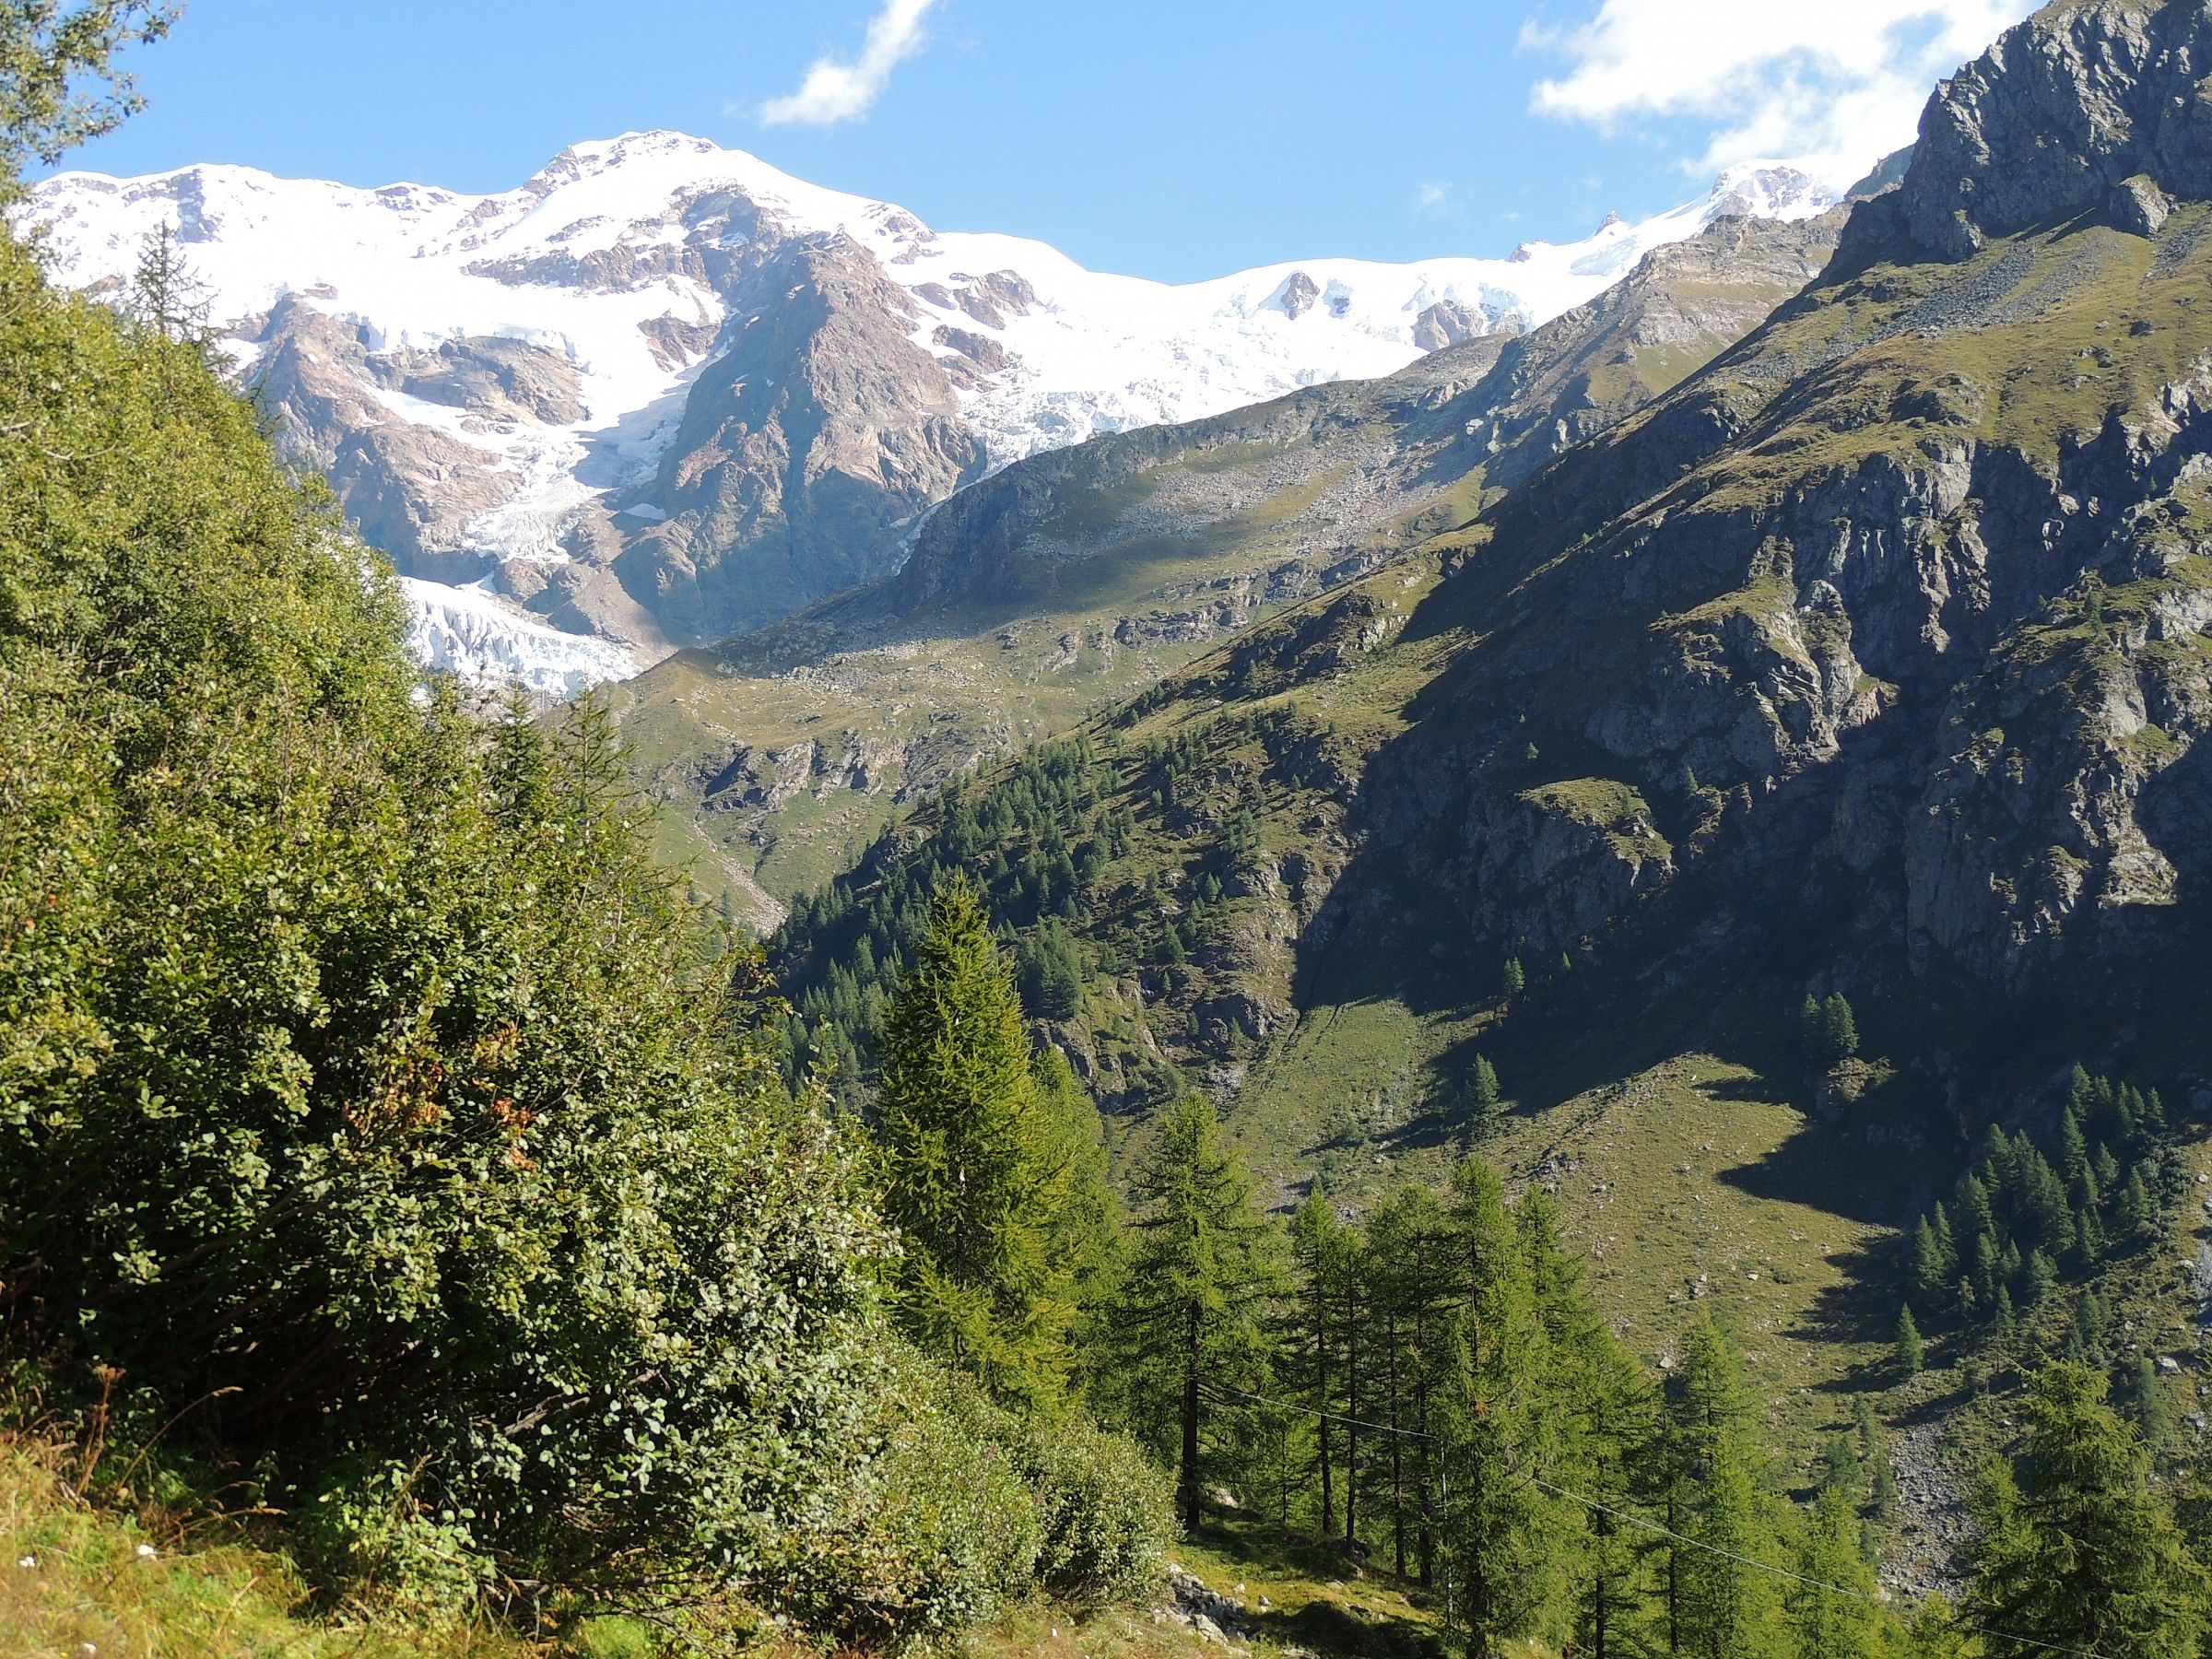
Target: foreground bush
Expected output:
[361,1080]
[1105,1514]
[970,1510]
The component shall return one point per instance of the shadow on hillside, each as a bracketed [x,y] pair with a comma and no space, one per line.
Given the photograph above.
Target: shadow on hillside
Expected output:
[1822,1168]
[1862,1309]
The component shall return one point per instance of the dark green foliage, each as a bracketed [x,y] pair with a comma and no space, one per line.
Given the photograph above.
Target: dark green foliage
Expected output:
[358,1067]
[971,1508]
[2018,1222]
[982,1167]
[1023,843]
[2076,1546]
[1050,965]
[1828,1030]
[1912,1356]
[1719,1603]
[1482,1096]
[1836,1613]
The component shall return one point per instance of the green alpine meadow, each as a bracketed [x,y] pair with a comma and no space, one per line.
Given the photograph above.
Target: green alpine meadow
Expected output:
[723,933]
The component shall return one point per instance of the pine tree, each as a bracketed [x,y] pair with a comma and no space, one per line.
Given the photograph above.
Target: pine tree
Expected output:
[2076,1546]
[1912,1356]
[2073,1148]
[1516,978]
[1721,1604]
[2134,1218]
[2146,1406]
[1935,1261]
[1838,1031]
[1482,1096]
[974,1179]
[1835,1614]
[1203,1273]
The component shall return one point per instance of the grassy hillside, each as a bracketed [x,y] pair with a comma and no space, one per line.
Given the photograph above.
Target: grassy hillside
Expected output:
[77,1580]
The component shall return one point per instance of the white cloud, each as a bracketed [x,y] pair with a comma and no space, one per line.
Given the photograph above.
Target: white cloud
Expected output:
[1836,83]
[1433,198]
[835,92]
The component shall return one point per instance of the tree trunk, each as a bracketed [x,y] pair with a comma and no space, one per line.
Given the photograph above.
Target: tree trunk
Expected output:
[1397,1454]
[1420,1421]
[1674,1580]
[1352,1425]
[1321,1385]
[1605,1591]
[1190,1422]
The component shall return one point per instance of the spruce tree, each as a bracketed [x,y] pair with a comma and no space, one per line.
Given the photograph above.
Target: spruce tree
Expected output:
[1912,1355]
[977,1176]
[1835,1614]
[1205,1268]
[2076,1546]
[1516,977]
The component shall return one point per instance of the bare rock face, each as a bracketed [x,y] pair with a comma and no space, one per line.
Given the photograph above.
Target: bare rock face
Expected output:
[1896,622]
[409,486]
[2058,117]
[497,379]
[819,430]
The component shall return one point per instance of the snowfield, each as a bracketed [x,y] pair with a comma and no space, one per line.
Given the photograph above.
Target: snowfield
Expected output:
[610,252]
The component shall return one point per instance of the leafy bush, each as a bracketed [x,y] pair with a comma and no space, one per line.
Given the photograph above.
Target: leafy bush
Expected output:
[361,1079]
[944,1530]
[1105,1512]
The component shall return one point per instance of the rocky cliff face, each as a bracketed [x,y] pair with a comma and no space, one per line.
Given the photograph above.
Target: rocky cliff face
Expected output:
[1894,616]
[2092,107]
[802,451]
[1078,577]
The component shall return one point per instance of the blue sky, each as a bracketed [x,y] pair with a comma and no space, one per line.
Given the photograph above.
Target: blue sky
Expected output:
[1173,139]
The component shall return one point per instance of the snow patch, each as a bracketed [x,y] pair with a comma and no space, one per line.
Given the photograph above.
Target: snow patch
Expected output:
[476,635]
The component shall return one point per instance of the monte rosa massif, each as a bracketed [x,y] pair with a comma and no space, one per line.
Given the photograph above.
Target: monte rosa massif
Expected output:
[663,392]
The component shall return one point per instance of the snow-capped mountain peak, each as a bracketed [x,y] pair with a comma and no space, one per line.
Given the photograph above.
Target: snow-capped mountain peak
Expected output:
[663,389]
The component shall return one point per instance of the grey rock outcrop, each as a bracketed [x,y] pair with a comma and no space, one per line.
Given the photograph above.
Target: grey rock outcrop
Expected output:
[2057,117]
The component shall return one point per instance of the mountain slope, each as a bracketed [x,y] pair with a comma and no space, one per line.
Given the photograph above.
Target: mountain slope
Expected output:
[1875,658]
[662,391]
[1075,578]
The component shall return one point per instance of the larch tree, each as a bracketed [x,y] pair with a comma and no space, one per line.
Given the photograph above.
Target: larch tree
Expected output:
[977,1175]
[1721,1603]
[1203,1271]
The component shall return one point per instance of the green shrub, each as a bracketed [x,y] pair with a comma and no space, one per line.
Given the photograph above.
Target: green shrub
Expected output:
[1105,1512]
[943,1531]
[361,1078]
